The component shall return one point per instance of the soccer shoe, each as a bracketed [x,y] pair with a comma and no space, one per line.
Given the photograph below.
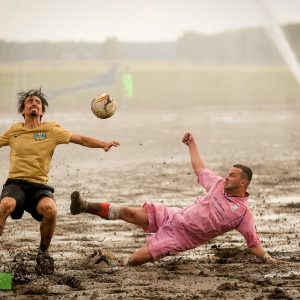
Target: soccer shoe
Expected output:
[44,263]
[78,205]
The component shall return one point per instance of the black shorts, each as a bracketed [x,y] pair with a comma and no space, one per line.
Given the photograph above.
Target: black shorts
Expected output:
[27,194]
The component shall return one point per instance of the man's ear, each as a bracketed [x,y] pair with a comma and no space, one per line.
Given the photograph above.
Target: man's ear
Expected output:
[244,182]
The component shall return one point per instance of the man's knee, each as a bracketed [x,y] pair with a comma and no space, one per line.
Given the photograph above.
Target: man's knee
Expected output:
[140,256]
[7,206]
[50,212]
[47,208]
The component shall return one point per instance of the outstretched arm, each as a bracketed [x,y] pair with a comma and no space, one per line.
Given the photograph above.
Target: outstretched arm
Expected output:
[196,160]
[262,253]
[91,142]
[248,229]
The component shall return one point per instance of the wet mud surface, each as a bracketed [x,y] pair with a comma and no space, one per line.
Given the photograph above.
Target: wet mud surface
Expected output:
[153,165]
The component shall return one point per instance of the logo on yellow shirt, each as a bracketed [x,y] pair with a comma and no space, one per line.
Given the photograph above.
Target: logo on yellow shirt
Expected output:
[39,136]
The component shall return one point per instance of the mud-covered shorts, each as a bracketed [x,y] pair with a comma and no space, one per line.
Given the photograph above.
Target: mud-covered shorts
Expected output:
[27,195]
[160,240]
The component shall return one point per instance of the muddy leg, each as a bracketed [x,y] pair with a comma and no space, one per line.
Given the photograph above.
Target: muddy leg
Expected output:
[7,206]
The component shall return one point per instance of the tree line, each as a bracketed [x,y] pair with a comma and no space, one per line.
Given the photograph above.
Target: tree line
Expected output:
[247,46]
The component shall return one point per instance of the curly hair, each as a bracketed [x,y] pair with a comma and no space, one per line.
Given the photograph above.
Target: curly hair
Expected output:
[23,95]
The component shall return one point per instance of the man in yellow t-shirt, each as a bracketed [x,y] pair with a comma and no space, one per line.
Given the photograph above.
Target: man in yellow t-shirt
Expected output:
[32,145]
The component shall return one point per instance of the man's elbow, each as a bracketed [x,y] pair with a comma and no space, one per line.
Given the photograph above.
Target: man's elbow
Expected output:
[198,170]
[77,139]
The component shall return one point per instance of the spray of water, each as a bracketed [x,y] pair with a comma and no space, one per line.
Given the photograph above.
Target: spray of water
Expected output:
[279,39]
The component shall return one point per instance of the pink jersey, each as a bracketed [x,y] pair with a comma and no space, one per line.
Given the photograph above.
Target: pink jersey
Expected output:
[179,229]
[213,214]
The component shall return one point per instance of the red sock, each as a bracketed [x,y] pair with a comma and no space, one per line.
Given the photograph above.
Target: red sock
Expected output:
[103,210]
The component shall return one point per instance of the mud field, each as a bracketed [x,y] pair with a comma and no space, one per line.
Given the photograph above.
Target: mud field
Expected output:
[152,164]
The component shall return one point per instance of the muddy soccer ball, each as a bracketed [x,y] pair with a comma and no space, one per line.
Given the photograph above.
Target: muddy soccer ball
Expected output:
[103,106]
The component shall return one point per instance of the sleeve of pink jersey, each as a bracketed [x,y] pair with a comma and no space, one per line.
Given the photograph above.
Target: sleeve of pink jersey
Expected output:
[248,229]
[208,178]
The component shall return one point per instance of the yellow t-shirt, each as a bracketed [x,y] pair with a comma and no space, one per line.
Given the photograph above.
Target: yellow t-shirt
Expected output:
[32,149]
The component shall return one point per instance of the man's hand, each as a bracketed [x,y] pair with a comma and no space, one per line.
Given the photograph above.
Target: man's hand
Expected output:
[273,261]
[260,252]
[91,142]
[188,138]
[108,145]
[196,160]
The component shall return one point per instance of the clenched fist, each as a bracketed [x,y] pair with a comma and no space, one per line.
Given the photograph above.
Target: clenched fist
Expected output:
[188,138]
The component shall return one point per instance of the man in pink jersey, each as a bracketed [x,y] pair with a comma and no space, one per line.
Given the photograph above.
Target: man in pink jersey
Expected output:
[171,229]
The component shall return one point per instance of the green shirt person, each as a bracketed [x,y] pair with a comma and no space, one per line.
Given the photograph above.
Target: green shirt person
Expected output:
[127,85]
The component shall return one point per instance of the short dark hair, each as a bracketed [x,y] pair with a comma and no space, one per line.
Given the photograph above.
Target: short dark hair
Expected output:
[246,171]
[23,95]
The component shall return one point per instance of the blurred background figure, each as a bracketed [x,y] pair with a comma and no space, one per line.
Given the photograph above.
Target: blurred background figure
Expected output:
[127,86]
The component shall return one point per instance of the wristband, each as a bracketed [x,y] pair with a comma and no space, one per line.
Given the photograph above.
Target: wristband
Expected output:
[266,256]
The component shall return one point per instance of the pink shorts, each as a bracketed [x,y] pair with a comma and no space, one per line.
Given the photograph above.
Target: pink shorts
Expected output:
[161,240]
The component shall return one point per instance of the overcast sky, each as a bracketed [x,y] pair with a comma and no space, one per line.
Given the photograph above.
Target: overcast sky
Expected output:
[132,20]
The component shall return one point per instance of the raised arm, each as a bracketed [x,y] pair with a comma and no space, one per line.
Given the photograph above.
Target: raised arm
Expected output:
[261,252]
[91,142]
[196,160]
